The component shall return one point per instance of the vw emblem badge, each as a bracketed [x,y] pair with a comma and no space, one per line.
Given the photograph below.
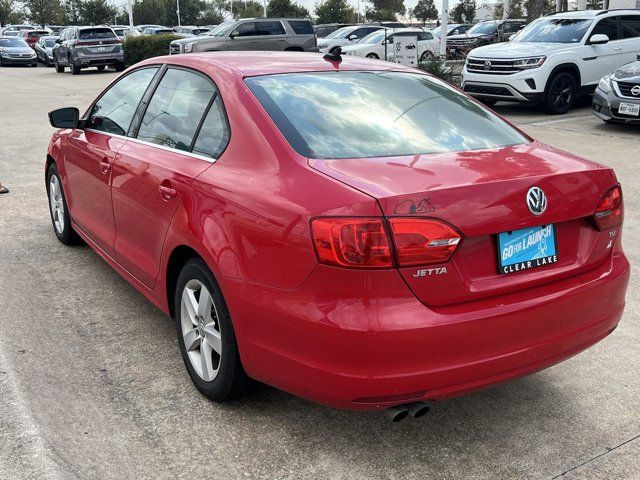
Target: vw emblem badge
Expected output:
[635,91]
[487,65]
[536,201]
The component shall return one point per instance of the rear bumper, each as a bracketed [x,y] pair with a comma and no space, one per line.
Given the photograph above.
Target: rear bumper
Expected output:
[359,341]
[97,59]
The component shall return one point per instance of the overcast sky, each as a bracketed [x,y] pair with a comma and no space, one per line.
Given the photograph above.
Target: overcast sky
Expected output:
[309,4]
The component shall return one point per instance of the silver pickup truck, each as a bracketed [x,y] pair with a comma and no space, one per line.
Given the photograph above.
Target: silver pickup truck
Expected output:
[288,34]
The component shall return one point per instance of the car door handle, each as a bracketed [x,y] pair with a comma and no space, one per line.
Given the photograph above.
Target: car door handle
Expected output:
[105,165]
[167,192]
[618,49]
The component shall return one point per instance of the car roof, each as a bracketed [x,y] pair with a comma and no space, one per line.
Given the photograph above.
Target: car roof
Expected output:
[593,13]
[242,64]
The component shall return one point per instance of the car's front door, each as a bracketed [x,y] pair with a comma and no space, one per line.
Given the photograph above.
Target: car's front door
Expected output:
[603,58]
[154,171]
[92,152]
[244,37]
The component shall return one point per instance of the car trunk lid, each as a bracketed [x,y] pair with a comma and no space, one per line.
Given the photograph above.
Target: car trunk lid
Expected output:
[481,194]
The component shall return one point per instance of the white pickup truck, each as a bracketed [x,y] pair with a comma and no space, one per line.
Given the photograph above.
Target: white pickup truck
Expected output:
[554,59]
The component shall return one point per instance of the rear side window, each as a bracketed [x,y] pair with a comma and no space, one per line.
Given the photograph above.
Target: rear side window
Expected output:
[176,108]
[214,133]
[630,26]
[608,27]
[301,27]
[270,28]
[96,33]
[377,114]
[113,112]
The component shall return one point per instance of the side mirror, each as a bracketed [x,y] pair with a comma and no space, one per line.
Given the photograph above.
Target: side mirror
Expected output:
[599,39]
[234,34]
[65,118]
[353,37]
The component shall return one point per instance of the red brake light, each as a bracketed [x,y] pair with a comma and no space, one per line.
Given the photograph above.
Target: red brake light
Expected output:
[609,212]
[352,242]
[421,241]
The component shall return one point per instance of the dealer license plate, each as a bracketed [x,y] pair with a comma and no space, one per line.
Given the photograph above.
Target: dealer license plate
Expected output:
[629,109]
[527,248]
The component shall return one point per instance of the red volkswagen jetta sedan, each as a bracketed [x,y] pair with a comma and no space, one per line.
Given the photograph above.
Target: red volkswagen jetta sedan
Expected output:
[354,232]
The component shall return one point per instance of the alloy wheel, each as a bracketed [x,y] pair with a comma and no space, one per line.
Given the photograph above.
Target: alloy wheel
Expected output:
[57,204]
[200,329]
[562,93]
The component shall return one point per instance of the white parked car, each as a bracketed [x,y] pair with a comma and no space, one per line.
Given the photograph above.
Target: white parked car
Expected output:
[373,45]
[554,59]
[345,36]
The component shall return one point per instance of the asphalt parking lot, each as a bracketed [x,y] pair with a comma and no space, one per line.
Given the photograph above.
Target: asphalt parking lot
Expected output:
[92,384]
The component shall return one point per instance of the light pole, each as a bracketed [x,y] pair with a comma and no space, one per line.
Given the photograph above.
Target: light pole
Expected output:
[444,20]
[178,10]
[264,6]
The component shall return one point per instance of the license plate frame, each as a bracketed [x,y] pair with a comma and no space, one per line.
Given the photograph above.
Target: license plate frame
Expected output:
[630,109]
[526,248]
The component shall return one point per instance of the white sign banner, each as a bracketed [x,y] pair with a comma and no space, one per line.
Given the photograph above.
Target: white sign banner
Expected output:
[406,50]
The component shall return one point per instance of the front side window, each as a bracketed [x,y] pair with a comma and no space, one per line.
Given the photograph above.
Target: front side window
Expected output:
[555,30]
[247,29]
[341,32]
[113,112]
[630,26]
[608,27]
[377,114]
[175,110]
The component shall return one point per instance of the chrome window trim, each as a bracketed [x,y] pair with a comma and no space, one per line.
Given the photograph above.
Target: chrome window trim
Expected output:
[161,147]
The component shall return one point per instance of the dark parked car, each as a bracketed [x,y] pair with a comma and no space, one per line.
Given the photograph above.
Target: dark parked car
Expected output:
[483,33]
[326,28]
[44,49]
[82,47]
[15,51]
[617,97]
[289,34]
[157,31]
[452,29]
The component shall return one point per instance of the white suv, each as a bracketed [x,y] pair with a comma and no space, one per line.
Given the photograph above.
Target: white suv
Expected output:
[554,59]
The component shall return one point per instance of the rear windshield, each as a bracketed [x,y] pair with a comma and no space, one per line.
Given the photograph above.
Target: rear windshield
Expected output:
[96,33]
[50,42]
[301,27]
[12,42]
[377,114]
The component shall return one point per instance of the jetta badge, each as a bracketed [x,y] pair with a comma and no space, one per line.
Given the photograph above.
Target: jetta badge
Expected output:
[635,91]
[536,201]
[487,65]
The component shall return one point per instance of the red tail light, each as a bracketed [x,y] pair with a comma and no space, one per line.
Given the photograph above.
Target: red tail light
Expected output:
[352,242]
[364,242]
[420,241]
[609,212]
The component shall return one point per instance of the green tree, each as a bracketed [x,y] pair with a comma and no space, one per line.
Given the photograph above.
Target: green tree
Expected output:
[334,11]
[248,9]
[43,12]
[189,12]
[215,11]
[425,10]
[594,4]
[286,8]
[515,10]
[464,12]
[97,12]
[70,12]
[153,12]
[538,8]
[386,10]
[7,10]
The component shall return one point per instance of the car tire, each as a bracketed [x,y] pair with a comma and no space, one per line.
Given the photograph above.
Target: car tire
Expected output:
[59,68]
[426,55]
[58,209]
[119,67]
[75,69]
[373,56]
[560,94]
[201,313]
